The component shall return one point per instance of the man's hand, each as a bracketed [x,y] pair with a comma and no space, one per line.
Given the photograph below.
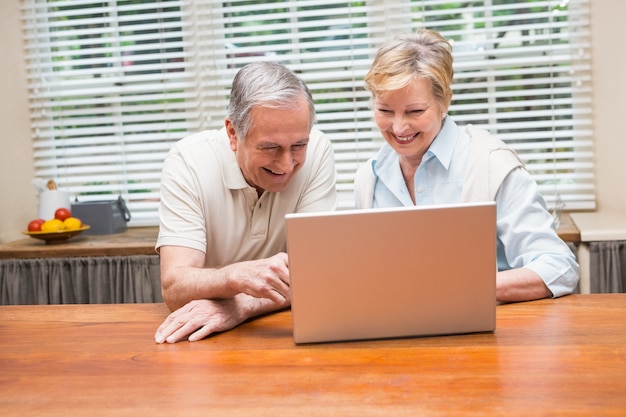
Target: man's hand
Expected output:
[184,278]
[198,319]
[263,278]
[201,318]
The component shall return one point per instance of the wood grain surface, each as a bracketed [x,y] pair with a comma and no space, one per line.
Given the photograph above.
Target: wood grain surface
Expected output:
[550,357]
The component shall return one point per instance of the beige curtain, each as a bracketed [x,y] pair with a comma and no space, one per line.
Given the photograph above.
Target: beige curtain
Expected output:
[88,280]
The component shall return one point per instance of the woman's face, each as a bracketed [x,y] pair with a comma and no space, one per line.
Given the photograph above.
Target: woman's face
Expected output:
[409,119]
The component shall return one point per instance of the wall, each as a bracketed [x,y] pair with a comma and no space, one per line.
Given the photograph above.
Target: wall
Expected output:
[18,203]
[609,98]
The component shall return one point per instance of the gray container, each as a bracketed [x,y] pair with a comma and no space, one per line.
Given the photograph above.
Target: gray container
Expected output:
[105,217]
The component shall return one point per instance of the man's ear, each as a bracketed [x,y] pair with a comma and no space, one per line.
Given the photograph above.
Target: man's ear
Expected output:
[232,134]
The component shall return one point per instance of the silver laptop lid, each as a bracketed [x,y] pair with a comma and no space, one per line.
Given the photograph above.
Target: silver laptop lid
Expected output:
[397,272]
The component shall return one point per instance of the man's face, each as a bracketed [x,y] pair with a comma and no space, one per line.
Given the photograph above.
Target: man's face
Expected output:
[275,147]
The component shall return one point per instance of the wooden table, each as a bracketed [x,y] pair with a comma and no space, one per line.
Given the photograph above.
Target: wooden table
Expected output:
[550,357]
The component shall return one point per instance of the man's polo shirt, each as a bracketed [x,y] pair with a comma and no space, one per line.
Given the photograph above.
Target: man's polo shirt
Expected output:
[207,205]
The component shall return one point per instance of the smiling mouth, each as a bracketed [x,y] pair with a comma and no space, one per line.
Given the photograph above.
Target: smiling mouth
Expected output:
[274,172]
[402,139]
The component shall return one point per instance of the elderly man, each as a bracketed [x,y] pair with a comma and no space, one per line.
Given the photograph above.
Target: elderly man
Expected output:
[224,195]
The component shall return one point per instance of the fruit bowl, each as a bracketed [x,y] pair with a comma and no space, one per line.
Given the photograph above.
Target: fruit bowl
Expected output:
[56,237]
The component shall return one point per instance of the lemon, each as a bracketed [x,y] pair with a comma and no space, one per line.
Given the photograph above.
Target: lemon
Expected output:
[54,225]
[72,223]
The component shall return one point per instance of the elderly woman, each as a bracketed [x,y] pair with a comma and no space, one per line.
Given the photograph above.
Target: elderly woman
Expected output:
[429,159]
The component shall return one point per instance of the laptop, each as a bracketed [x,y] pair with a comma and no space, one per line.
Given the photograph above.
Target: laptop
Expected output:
[393,272]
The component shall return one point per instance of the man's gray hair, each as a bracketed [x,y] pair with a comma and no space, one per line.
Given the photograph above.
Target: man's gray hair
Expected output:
[265,84]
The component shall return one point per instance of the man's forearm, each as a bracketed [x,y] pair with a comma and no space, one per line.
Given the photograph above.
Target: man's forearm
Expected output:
[266,278]
[187,283]
[250,306]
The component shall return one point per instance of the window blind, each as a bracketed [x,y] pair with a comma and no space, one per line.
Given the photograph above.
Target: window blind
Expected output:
[113,84]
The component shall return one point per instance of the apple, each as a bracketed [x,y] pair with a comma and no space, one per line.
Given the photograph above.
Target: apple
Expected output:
[62,214]
[35,225]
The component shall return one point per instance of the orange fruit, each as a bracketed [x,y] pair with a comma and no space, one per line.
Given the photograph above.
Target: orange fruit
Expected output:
[53,225]
[72,223]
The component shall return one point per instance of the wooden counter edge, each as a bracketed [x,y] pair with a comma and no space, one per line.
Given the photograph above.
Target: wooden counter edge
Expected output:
[141,241]
[567,229]
[134,241]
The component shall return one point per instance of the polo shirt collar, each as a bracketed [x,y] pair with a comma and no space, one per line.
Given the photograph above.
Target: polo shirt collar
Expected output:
[231,172]
[444,144]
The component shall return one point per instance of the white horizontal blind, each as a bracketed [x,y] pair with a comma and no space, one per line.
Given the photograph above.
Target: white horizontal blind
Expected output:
[522,70]
[110,92]
[327,43]
[114,84]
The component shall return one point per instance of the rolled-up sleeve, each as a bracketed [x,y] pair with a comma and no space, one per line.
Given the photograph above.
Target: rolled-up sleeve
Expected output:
[527,236]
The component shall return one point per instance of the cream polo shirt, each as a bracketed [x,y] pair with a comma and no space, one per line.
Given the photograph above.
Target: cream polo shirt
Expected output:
[207,205]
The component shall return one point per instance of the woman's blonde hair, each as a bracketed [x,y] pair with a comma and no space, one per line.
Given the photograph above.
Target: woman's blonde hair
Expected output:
[422,54]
